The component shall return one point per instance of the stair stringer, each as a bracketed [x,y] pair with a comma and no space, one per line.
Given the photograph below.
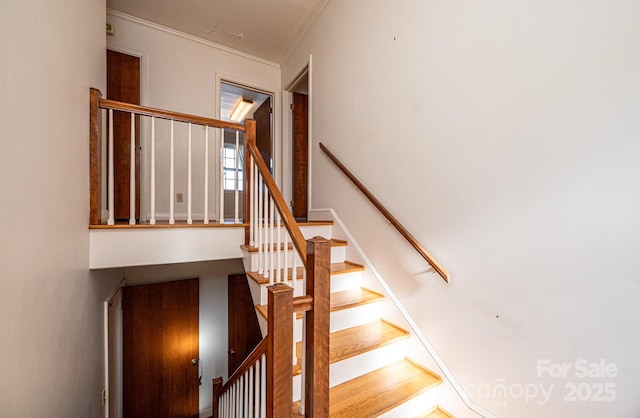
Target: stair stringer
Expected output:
[447,397]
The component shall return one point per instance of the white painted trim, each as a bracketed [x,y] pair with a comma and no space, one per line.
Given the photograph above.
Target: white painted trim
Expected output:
[105,390]
[192,38]
[287,133]
[106,345]
[273,91]
[310,116]
[287,144]
[414,327]
[111,248]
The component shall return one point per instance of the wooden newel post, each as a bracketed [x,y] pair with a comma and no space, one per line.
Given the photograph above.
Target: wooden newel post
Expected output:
[217,388]
[279,351]
[249,137]
[316,385]
[94,156]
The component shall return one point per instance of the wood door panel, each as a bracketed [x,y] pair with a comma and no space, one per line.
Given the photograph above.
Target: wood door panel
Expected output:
[300,155]
[262,116]
[244,331]
[123,84]
[160,338]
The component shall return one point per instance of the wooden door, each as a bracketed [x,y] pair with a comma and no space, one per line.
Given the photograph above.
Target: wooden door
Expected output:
[244,331]
[123,84]
[300,155]
[262,116]
[160,350]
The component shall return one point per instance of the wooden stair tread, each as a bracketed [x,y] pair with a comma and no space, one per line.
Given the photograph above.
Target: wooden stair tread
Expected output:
[342,300]
[356,340]
[436,413]
[345,267]
[354,297]
[336,268]
[353,341]
[379,391]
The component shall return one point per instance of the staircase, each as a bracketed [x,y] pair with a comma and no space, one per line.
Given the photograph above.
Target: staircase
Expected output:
[370,374]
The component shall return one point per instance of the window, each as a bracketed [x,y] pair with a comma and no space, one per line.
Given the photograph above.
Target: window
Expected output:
[229,165]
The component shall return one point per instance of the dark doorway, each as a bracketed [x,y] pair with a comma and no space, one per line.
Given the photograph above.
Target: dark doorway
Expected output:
[262,116]
[300,155]
[123,84]
[160,350]
[244,331]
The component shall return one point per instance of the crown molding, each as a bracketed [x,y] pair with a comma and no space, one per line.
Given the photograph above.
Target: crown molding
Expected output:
[205,42]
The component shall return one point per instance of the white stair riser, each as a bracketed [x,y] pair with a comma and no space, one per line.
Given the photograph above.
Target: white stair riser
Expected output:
[364,363]
[346,281]
[297,390]
[357,315]
[338,253]
[250,259]
[339,282]
[312,231]
[353,367]
[415,406]
[308,231]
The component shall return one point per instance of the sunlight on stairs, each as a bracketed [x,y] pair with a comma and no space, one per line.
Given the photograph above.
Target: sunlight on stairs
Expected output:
[370,375]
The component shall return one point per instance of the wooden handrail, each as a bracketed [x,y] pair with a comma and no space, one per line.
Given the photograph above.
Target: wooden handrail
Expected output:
[167,114]
[251,359]
[302,303]
[287,218]
[392,219]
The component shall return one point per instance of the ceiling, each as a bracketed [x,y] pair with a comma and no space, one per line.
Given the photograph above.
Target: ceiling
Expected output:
[265,28]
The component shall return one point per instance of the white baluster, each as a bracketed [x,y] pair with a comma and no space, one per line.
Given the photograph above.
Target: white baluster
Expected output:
[260,230]
[263,388]
[255,199]
[189,218]
[285,271]
[257,386]
[237,162]
[132,173]
[206,175]
[246,394]
[234,405]
[171,179]
[272,250]
[110,184]
[267,236]
[225,405]
[278,249]
[250,404]
[221,131]
[152,219]
[240,396]
[252,186]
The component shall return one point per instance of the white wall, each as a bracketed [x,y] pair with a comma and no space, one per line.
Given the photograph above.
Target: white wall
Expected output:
[213,312]
[505,136]
[50,304]
[180,73]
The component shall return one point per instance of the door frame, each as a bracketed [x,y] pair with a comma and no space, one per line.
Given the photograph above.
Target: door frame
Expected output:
[276,145]
[106,396]
[287,136]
